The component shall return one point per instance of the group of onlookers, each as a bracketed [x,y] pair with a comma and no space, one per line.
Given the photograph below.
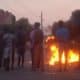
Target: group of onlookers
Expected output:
[12,42]
[15,43]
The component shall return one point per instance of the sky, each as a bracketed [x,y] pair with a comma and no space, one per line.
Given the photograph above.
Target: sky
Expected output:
[53,10]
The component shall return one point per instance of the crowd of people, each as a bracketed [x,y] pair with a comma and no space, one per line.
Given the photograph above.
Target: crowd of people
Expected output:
[15,43]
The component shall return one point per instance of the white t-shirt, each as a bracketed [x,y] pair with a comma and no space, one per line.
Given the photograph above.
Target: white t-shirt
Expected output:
[8,47]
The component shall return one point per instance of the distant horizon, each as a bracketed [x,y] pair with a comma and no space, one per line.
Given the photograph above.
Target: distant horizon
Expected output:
[53,10]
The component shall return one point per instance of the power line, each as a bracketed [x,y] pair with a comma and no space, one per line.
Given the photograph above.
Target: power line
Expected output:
[41,20]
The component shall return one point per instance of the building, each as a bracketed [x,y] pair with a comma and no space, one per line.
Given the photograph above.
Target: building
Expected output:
[6,17]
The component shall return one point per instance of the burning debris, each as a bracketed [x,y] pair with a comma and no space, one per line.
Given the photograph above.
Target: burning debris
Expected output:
[73,56]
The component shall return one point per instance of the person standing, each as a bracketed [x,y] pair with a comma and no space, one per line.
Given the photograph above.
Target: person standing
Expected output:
[1,47]
[13,51]
[7,38]
[21,42]
[62,35]
[37,47]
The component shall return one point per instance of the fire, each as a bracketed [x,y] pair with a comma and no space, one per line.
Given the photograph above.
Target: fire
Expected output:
[63,58]
[72,56]
[49,38]
[55,55]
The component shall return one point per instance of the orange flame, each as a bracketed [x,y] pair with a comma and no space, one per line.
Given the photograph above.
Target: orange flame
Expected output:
[72,56]
[49,38]
[63,58]
[55,55]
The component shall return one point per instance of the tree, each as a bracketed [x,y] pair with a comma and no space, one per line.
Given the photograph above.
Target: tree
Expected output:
[75,18]
[25,24]
[75,21]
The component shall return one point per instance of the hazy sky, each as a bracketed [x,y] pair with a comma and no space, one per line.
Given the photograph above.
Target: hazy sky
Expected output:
[53,10]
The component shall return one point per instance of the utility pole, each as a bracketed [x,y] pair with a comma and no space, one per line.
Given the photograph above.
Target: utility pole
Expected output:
[41,20]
